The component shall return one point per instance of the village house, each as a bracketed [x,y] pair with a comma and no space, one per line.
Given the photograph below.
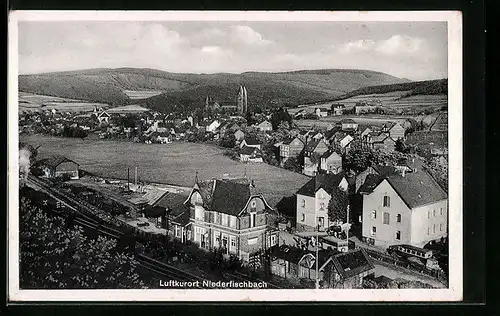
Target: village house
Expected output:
[313,198]
[213,126]
[380,141]
[265,126]
[230,215]
[297,264]
[336,270]
[395,130]
[348,125]
[103,117]
[347,270]
[290,147]
[403,206]
[58,166]
[321,112]
[338,109]
[341,141]
[331,162]
[250,142]
[177,218]
[250,154]
[312,153]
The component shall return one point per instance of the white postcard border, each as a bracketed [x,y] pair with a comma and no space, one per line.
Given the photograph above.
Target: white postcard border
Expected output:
[453,293]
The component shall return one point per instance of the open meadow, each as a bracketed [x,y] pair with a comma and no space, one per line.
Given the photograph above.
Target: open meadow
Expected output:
[391,101]
[175,163]
[141,94]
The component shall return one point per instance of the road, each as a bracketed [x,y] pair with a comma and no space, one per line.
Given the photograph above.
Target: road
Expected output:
[395,272]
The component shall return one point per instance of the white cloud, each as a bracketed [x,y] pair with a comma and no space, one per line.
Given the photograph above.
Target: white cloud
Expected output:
[398,44]
[394,45]
[246,35]
[210,49]
[357,46]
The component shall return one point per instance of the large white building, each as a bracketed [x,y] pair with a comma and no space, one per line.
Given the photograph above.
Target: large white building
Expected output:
[403,208]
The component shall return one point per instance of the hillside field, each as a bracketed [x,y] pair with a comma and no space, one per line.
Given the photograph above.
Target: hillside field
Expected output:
[174,163]
[37,102]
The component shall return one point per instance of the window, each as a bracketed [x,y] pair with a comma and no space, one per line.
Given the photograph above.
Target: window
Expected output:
[398,235]
[232,245]
[387,201]
[322,206]
[374,214]
[232,221]
[252,219]
[252,241]
[225,220]
[428,230]
[398,218]
[374,231]
[428,214]
[177,231]
[441,211]
[303,217]
[303,203]
[434,213]
[440,227]
[386,218]
[434,228]
[198,213]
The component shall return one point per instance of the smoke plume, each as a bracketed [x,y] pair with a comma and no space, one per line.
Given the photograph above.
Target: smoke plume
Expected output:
[24,163]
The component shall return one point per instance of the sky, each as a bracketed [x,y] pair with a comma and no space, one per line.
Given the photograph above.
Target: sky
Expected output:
[412,50]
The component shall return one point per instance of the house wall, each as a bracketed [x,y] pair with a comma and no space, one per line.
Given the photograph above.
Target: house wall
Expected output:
[387,145]
[312,207]
[66,167]
[397,131]
[332,164]
[425,226]
[321,148]
[386,233]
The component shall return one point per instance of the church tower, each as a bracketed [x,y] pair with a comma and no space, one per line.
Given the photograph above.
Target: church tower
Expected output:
[242,101]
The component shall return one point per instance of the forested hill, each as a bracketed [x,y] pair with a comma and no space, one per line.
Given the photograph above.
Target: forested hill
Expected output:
[187,90]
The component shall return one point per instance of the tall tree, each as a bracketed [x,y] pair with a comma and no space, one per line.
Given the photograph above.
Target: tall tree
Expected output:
[337,207]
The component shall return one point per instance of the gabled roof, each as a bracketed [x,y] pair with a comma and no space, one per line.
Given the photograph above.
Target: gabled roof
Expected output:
[171,200]
[329,153]
[288,253]
[415,188]
[347,121]
[245,150]
[55,160]
[321,181]
[251,141]
[266,122]
[351,263]
[289,140]
[226,196]
[180,215]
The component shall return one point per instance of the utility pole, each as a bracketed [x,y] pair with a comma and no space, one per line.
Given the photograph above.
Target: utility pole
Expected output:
[317,234]
[128,179]
[347,234]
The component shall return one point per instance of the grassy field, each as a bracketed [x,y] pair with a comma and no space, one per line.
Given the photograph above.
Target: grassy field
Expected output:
[395,100]
[36,102]
[174,163]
